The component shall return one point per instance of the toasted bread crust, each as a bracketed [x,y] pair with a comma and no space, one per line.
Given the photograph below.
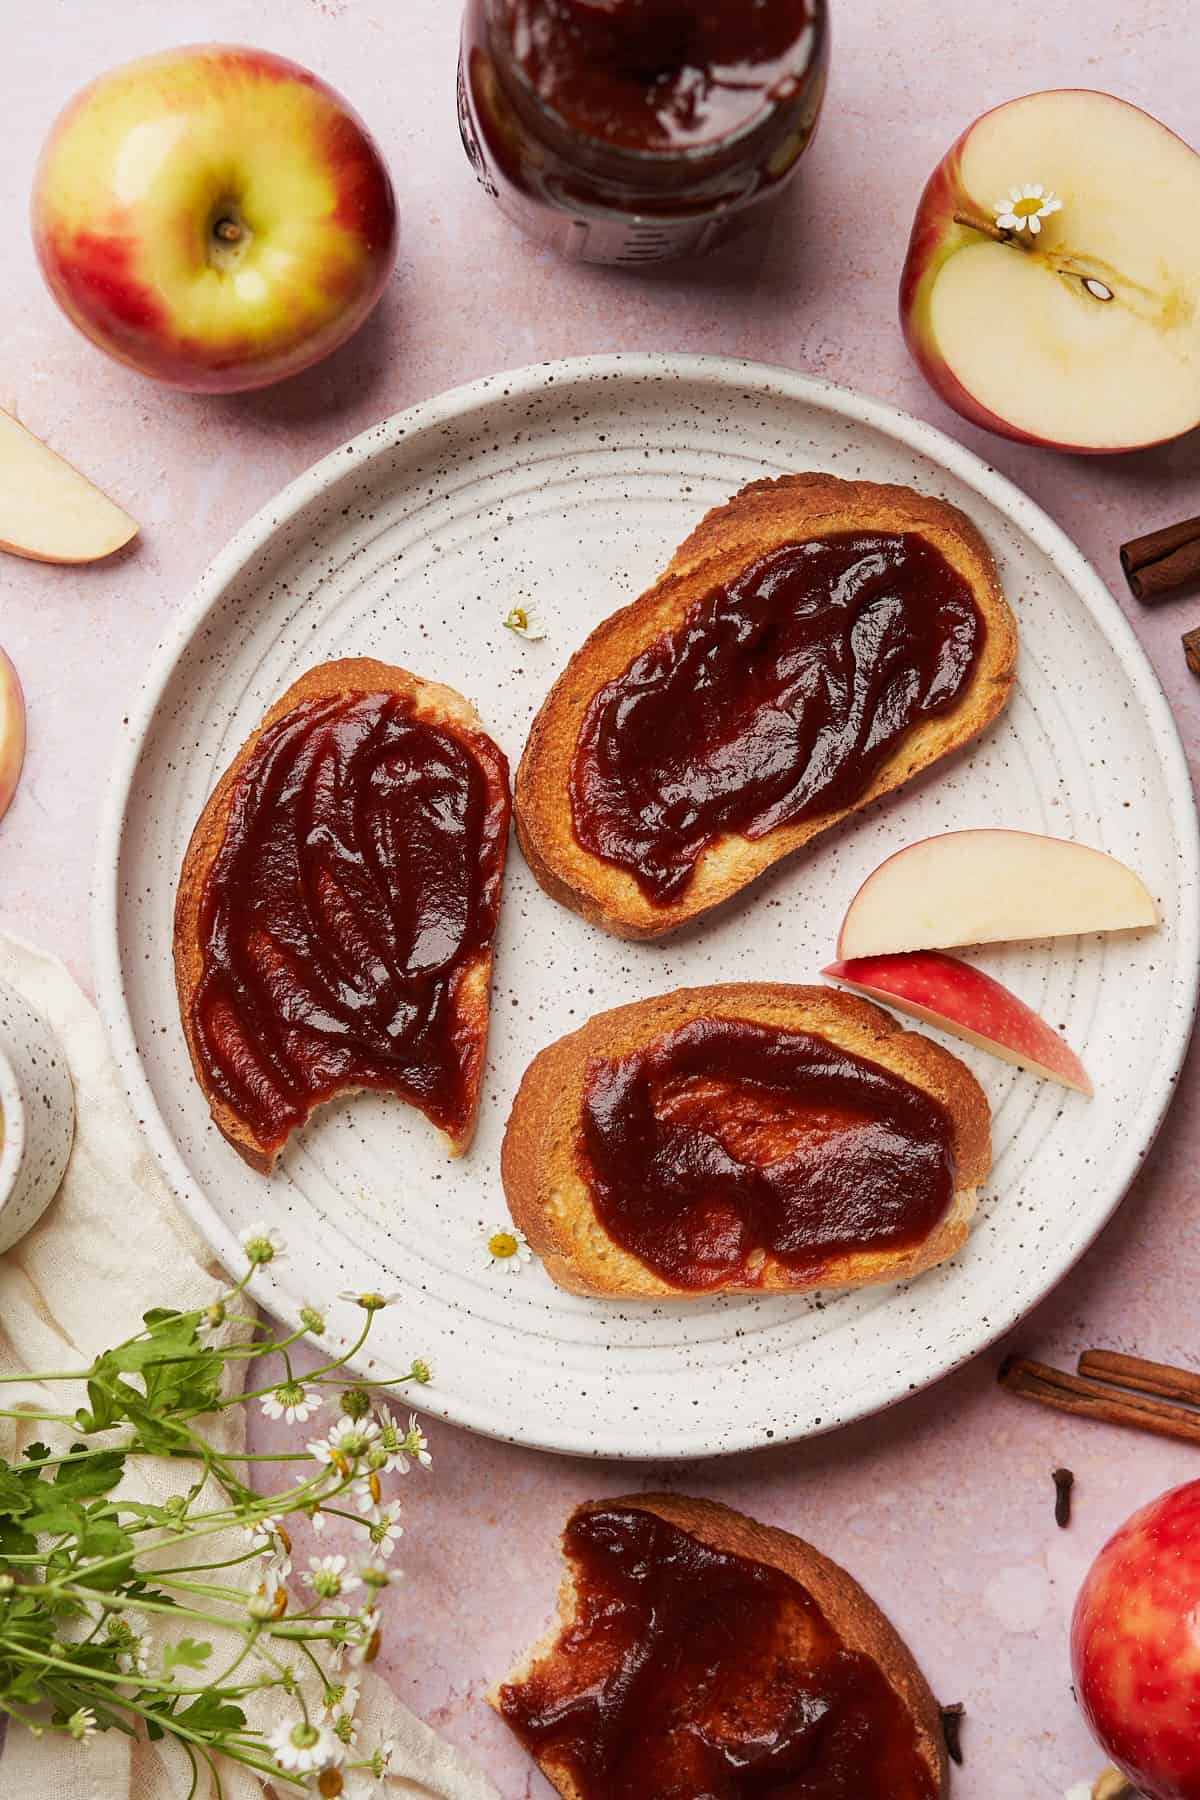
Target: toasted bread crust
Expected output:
[551,1202]
[762,517]
[440,706]
[847,1606]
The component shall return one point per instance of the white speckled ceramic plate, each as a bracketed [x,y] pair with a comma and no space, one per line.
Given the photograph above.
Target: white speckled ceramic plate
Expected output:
[568,486]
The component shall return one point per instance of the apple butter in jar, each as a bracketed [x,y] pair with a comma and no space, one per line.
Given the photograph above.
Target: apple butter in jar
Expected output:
[632,131]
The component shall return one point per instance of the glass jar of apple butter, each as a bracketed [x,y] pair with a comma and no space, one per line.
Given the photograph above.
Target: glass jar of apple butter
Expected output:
[632,131]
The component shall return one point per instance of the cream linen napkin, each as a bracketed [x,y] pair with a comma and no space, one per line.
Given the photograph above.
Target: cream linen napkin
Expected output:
[113,1243]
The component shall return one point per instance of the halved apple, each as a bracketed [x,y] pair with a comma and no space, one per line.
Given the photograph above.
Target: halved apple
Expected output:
[964,1001]
[48,510]
[12,732]
[989,886]
[1080,327]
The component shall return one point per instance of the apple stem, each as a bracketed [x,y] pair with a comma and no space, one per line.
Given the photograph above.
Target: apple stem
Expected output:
[986,226]
[228,231]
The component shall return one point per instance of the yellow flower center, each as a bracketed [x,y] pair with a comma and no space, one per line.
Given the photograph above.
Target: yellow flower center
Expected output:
[502,1244]
[1026,209]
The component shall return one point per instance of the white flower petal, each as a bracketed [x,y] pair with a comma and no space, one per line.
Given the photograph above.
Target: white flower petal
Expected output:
[1035,225]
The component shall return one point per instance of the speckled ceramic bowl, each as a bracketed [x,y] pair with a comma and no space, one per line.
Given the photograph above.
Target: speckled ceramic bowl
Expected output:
[37,1105]
[567,488]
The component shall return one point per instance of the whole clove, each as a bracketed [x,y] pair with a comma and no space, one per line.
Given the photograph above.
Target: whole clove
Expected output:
[1064,1481]
[952,1718]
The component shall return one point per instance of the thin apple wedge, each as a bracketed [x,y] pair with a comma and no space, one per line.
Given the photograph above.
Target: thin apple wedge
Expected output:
[48,510]
[964,1001]
[990,887]
[12,732]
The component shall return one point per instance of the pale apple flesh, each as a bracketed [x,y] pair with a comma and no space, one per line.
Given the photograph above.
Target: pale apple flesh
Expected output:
[1011,333]
[215,217]
[1135,1648]
[960,999]
[991,886]
[48,510]
[12,732]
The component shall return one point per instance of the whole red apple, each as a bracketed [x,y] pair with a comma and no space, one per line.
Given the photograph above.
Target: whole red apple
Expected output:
[1135,1646]
[215,217]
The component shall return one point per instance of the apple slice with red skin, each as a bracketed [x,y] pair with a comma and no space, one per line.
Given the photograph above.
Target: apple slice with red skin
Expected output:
[12,732]
[962,1000]
[991,886]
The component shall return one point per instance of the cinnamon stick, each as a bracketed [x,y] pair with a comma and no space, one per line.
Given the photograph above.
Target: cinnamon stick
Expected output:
[1088,1399]
[1191,649]
[1163,563]
[1159,1379]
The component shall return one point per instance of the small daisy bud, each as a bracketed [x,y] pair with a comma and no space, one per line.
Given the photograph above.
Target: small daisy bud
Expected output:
[7,1583]
[312,1320]
[287,1680]
[377,1457]
[373,1577]
[175,1506]
[422,1372]
[356,1403]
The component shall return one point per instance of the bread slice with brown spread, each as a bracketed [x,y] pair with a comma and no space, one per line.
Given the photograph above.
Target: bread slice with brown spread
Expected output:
[672,1682]
[762,519]
[549,1181]
[351,971]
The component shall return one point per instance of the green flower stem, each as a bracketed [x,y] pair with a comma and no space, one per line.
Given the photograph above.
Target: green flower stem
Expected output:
[326,1369]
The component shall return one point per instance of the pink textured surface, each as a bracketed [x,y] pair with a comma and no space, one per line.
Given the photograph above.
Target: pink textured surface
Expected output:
[944,1506]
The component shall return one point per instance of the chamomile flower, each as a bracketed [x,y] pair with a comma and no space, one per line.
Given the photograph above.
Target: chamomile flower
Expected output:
[1026,206]
[263,1244]
[507,1250]
[300,1748]
[368,1494]
[327,1577]
[391,1442]
[369,1302]
[370,1783]
[349,1440]
[385,1532]
[341,1696]
[126,1632]
[524,622]
[82,1724]
[292,1402]
[269,1600]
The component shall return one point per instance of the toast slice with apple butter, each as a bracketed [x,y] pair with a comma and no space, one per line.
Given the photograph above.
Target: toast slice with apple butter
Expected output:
[337,906]
[746,1138]
[699,1653]
[812,646]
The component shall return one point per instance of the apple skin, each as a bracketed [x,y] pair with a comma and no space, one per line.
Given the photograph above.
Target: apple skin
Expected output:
[12,732]
[960,999]
[1135,1647]
[139,167]
[933,239]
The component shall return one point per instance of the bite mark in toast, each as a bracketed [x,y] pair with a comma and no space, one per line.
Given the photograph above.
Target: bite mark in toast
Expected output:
[337,905]
[674,1666]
